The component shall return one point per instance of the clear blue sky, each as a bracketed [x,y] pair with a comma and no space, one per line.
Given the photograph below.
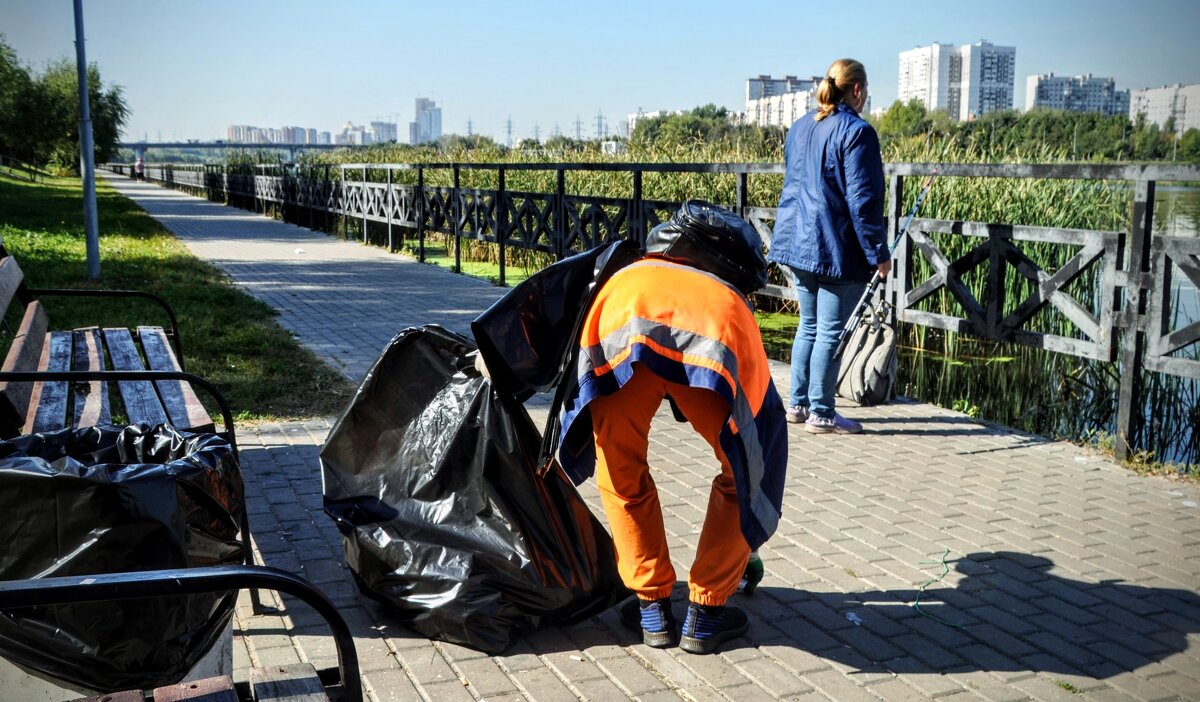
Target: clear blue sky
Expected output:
[189,69]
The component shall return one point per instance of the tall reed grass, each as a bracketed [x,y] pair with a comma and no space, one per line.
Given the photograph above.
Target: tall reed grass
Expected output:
[1030,389]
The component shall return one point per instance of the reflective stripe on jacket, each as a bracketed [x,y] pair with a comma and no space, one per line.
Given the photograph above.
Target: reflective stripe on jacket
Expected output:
[830,219]
[688,327]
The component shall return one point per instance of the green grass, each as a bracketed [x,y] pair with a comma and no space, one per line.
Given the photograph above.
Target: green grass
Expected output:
[228,337]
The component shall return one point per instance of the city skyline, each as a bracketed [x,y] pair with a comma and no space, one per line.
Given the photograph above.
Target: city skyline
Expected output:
[191,70]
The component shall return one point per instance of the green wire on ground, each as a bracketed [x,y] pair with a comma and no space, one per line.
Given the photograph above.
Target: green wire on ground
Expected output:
[927,583]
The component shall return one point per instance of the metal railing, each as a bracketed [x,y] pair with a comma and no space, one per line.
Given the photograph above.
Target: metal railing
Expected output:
[1125,316]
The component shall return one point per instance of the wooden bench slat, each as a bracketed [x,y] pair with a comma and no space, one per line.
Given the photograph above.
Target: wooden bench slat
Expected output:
[49,409]
[178,397]
[218,689]
[141,402]
[23,355]
[91,397]
[296,682]
[10,279]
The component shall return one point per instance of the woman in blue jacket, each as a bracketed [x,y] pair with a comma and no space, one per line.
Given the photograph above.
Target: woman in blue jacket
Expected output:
[829,235]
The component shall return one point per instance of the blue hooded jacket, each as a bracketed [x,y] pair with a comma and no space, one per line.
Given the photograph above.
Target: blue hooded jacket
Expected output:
[830,220]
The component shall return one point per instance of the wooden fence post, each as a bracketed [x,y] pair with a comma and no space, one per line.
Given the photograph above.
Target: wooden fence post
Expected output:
[1130,397]
[900,279]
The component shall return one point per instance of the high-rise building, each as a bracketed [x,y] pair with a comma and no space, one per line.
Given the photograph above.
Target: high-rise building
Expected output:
[779,101]
[1086,93]
[384,131]
[1181,102]
[427,126]
[246,134]
[967,80]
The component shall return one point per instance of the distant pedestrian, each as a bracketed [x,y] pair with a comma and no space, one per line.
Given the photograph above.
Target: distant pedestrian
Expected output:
[139,169]
[829,235]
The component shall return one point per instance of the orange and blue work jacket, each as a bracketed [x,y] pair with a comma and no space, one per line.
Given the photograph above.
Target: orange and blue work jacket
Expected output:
[692,328]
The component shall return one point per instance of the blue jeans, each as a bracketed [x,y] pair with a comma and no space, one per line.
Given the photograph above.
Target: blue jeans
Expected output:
[825,305]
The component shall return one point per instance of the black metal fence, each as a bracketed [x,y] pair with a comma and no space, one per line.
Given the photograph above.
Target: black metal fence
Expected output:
[1124,315]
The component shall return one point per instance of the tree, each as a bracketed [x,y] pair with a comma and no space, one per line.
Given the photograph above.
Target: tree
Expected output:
[15,93]
[904,119]
[39,113]
[1189,146]
[60,108]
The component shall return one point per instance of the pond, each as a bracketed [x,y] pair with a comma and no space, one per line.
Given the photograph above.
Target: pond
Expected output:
[1061,396]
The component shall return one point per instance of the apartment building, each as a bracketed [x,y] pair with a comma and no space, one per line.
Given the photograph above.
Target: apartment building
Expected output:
[966,80]
[1085,93]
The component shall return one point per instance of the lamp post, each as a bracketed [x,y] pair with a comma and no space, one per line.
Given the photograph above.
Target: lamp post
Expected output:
[87,152]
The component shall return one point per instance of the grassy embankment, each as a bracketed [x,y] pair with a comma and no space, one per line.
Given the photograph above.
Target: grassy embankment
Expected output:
[228,337]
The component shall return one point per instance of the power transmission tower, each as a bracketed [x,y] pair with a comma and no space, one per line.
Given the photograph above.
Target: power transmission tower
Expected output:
[556,132]
[578,129]
[537,133]
[468,125]
[601,126]
[508,130]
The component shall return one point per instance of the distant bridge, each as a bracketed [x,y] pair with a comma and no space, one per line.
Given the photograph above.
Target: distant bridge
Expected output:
[141,147]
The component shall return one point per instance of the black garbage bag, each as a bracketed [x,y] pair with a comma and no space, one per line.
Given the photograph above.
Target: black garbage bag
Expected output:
[528,336]
[116,500]
[432,478]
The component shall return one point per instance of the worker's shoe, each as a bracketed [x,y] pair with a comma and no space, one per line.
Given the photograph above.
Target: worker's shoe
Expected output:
[706,628]
[655,619]
[796,414]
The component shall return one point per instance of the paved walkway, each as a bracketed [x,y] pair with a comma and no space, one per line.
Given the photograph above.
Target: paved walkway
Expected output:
[1066,576]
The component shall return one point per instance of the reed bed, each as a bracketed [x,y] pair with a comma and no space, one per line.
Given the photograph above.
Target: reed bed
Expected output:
[1026,388]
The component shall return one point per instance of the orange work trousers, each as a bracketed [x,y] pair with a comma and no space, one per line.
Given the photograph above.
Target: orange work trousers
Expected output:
[621,423]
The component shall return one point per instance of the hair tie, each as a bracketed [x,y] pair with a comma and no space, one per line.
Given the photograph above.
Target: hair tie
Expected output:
[831,81]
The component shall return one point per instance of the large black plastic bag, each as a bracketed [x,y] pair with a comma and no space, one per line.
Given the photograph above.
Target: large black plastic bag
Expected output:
[116,500]
[431,476]
[529,335]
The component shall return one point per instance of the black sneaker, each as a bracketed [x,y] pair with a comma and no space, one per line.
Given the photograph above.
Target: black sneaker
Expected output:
[654,618]
[706,628]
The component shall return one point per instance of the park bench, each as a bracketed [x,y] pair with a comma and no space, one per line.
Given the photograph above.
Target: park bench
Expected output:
[54,379]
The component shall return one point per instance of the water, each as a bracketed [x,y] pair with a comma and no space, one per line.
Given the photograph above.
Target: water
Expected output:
[1061,396]
[1177,213]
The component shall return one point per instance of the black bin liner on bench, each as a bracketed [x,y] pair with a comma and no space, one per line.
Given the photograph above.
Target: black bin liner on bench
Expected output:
[115,500]
[431,477]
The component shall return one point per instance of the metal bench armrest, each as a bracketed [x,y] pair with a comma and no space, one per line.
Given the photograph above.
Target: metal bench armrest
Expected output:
[186,581]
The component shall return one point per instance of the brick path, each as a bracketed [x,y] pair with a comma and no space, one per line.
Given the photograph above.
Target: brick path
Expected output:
[1067,576]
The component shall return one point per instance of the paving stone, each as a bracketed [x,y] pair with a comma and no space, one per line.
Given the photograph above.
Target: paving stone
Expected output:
[453,691]
[778,681]
[632,675]
[837,687]
[389,686]
[484,678]
[543,685]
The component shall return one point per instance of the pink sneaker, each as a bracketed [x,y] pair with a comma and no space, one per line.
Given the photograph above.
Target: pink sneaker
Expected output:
[796,415]
[837,424]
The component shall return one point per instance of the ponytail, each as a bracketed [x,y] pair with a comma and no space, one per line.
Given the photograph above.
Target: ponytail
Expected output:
[843,75]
